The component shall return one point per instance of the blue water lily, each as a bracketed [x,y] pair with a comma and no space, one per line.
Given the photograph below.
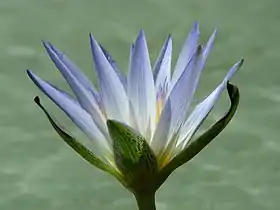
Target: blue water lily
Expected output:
[141,124]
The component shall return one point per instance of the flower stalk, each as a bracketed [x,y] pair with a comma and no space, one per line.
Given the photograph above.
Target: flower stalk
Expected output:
[146,201]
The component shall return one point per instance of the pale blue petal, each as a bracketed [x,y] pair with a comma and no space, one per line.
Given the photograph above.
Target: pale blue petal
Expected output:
[132,117]
[63,93]
[182,93]
[207,49]
[192,78]
[186,54]
[131,51]
[141,89]
[77,73]
[112,92]
[202,110]
[164,59]
[76,113]
[85,97]
[200,65]
[162,67]
[115,66]
[160,138]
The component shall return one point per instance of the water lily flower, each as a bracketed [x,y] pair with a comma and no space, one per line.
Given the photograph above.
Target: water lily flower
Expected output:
[141,125]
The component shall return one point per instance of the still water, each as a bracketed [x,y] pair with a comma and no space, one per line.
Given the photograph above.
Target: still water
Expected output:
[239,170]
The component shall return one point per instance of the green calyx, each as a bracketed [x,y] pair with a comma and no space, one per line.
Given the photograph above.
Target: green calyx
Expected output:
[77,146]
[202,141]
[133,157]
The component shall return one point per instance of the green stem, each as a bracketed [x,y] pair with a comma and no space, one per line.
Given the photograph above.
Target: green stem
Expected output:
[146,202]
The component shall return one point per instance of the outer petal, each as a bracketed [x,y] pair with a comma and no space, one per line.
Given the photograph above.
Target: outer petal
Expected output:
[186,54]
[75,71]
[208,47]
[202,110]
[183,91]
[205,54]
[115,66]
[141,90]
[162,67]
[113,94]
[85,98]
[78,115]
[131,51]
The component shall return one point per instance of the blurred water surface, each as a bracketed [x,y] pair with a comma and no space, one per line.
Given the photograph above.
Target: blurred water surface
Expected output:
[239,170]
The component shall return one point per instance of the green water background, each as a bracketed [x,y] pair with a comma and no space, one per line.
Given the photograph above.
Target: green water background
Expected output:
[239,170]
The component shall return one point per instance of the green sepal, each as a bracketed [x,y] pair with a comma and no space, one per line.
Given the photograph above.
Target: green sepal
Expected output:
[77,146]
[133,156]
[202,141]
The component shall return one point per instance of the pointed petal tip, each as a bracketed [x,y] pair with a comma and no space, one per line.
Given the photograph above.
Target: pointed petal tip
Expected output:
[214,34]
[30,74]
[47,45]
[94,44]
[195,28]
[141,36]
[142,32]
[34,79]
[50,49]
[239,64]
[215,30]
[169,38]
[233,70]
[43,42]
[196,25]
[92,39]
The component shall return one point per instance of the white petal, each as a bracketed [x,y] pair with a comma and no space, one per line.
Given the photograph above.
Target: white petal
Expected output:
[113,94]
[202,110]
[162,67]
[186,54]
[84,96]
[77,114]
[160,137]
[141,90]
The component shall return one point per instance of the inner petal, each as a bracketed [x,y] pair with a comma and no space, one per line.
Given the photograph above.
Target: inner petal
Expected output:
[160,100]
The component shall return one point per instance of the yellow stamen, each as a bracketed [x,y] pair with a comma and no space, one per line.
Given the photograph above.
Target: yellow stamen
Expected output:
[159,107]
[166,160]
[104,113]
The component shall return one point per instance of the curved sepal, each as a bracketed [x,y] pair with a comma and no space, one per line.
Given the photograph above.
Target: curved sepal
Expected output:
[202,141]
[133,156]
[77,146]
